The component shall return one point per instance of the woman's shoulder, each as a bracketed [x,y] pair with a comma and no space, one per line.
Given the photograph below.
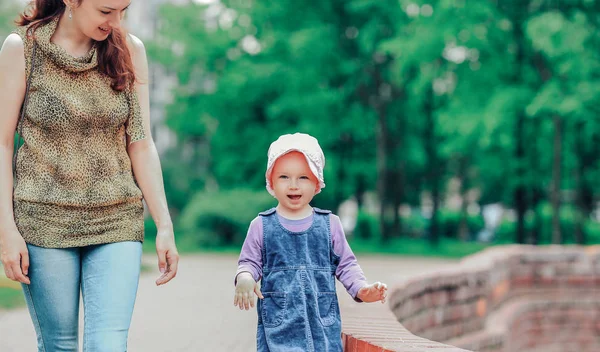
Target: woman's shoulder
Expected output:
[136,45]
[25,33]
[138,56]
[15,41]
[13,47]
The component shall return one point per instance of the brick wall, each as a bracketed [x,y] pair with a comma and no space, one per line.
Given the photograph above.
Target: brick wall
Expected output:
[554,326]
[503,299]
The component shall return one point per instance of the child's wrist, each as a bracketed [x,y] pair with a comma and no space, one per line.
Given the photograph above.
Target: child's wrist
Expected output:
[244,274]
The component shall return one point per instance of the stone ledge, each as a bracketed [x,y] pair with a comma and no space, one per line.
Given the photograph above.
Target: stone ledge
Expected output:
[457,305]
[374,328]
[506,298]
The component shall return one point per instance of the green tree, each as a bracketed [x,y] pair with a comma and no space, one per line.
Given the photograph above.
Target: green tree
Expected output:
[8,13]
[404,96]
[568,65]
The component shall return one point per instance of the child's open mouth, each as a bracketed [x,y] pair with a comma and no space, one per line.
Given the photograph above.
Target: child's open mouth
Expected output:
[294,197]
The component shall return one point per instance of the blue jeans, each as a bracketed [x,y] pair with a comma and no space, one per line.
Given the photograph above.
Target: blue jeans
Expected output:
[106,275]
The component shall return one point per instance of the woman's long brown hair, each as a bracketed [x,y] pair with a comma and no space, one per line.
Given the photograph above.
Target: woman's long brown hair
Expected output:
[114,58]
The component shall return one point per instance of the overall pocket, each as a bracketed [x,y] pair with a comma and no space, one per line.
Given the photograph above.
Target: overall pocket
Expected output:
[328,307]
[273,308]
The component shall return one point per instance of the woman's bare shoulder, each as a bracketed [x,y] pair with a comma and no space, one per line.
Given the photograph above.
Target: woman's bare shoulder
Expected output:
[135,45]
[12,55]
[13,46]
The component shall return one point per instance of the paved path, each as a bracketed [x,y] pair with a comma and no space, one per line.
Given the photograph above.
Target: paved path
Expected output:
[195,312]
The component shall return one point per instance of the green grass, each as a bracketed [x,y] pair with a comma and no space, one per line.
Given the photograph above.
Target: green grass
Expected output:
[11,295]
[149,245]
[447,248]
[184,247]
[145,268]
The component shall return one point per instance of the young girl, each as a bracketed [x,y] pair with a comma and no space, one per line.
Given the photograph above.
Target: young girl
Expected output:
[297,250]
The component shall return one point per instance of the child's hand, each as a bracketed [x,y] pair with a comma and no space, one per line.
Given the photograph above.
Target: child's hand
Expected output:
[373,293]
[244,288]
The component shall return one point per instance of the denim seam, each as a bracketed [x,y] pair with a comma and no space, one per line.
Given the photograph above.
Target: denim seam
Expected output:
[282,310]
[85,325]
[264,248]
[309,338]
[334,256]
[300,267]
[35,316]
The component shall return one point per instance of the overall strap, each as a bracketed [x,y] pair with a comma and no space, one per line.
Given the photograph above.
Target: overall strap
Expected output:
[267,212]
[321,211]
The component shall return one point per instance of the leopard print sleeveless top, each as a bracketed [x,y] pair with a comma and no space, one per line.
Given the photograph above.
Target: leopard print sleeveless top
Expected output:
[74,181]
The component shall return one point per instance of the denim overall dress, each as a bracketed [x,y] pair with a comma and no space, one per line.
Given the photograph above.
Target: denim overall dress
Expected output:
[300,309]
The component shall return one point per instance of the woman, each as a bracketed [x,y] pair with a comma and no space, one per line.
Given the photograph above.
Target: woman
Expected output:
[74,221]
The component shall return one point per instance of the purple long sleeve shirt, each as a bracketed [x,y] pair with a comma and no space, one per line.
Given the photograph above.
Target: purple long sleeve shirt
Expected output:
[348,271]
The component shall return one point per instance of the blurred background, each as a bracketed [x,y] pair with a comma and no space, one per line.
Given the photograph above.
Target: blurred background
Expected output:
[447,125]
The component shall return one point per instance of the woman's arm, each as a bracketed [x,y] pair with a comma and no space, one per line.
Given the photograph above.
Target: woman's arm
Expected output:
[148,172]
[13,250]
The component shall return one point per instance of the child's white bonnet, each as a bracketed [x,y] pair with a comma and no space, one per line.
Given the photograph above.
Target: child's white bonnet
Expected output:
[303,143]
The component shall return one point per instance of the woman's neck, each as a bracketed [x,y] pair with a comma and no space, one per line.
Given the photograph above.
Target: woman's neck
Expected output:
[71,38]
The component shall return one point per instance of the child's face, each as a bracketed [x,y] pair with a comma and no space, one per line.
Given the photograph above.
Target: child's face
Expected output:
[293,183]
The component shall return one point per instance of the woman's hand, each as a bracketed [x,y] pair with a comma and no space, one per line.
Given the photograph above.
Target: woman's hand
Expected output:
[14,256]
[373,293]
[244,287]
[168,257]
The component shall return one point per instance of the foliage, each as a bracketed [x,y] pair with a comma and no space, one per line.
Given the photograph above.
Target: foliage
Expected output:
[505,232]
[403,96]
[447,248]
[367,227]
[214,219]
[8,14]
[11,298]
[11,294]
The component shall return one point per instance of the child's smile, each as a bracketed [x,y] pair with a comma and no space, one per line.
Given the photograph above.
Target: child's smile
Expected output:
[294,184]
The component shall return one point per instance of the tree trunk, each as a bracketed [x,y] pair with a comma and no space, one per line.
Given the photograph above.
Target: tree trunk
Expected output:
[341,173]
[534,187]
[397,183]
[382,170]
[556,179]
[433,176]
[359,192]
[520,193]
[582,191]
[434,226]
[537,222]
[463,228]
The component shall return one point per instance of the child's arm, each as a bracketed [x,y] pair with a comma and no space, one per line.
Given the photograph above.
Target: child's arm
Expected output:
[249,269]
[244,287]
[348,272]
[373,293]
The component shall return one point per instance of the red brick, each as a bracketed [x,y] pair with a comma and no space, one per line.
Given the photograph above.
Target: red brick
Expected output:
[538,295]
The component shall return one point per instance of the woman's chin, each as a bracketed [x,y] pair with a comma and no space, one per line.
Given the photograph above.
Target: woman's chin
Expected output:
[100,35]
